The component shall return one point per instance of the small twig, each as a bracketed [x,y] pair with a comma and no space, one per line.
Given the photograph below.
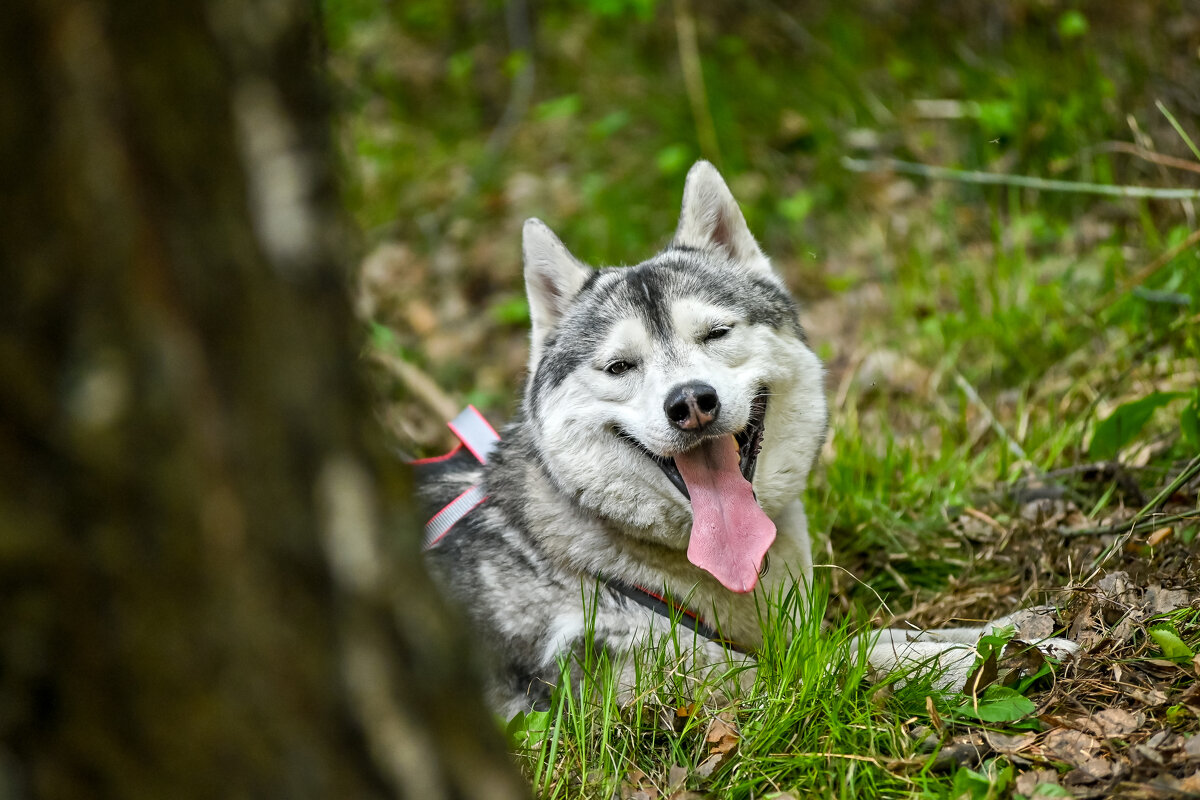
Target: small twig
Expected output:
[1005,179]
[1185,475]
[992,422]
[1143,274]
[984,518]
[693,80]
[1146,524]
[1140,152]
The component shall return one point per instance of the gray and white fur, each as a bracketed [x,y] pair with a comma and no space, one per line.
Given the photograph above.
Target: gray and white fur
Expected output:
[576,490]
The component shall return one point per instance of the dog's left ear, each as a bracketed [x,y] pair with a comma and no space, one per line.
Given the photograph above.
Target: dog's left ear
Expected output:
[711,219]
[552,279]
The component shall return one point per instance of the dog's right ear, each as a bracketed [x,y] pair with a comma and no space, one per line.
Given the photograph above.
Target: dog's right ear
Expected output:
[552,279]
[711,219]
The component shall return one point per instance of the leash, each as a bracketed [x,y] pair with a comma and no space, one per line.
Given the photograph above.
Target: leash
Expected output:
[479,438]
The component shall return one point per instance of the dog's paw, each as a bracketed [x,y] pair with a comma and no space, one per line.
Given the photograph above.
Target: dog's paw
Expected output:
[1057,648]
[1037,626]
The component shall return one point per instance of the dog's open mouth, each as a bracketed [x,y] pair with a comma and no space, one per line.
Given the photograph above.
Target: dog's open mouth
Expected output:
[730,531]
[749,443]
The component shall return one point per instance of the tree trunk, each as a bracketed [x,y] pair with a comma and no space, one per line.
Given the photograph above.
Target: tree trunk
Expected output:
[210,583]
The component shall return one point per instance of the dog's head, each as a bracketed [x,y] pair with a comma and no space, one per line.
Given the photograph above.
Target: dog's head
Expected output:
[676,398]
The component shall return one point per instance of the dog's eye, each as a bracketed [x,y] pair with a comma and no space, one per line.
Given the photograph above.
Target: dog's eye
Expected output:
[717,332]
[619,367]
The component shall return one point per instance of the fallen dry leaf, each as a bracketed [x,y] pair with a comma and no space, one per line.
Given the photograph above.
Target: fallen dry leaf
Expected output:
[1156,538]
[676,778]
[1004,743]
[638,786]
[1027,782]
[1112,723]
[1093,770]
[1073,747]
[1160,601]
[1151,697]
[1020,660]
[934,717]
[1034,624]
[722,737]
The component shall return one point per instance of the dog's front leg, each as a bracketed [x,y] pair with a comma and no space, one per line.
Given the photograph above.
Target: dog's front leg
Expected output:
[950,652]
[791,560]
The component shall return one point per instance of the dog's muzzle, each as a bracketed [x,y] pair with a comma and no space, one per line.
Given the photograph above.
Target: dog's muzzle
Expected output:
[749,439]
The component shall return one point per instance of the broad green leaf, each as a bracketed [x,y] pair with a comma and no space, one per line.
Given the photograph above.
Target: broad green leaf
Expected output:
[998,704]
[1166,637]
[528,728]
[1123,425]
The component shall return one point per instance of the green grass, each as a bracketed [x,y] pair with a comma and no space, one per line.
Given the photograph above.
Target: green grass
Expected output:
[811,723]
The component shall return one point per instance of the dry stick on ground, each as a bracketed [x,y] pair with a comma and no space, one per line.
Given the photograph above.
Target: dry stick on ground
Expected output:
[1185,475]
[1023,181]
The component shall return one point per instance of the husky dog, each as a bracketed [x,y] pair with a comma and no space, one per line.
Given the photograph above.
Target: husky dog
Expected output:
[672,413]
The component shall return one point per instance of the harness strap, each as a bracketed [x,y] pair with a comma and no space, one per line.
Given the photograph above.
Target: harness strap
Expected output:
[666,607]
[475,432]
[480,438]
[441,523]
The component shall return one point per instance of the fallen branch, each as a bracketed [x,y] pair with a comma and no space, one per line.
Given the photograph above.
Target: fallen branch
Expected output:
[1005,179]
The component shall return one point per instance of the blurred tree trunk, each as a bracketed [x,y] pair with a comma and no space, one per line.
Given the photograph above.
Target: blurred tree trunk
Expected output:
[198,597]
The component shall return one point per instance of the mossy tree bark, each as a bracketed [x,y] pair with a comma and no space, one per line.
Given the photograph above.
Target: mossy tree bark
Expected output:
[202,593]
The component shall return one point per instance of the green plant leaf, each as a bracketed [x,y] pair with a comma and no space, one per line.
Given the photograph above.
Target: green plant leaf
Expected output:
[1123,425]
[1166,637]
[563,107]
[1189,422]
[673,158]
[512,310]
[1072,24]
[527,729]
[998,704]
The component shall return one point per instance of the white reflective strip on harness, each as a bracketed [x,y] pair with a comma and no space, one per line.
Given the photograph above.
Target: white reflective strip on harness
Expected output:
[444,520]
[479,437]
[475,432]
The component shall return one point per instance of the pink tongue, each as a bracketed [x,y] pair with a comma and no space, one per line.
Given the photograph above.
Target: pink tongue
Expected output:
[730,532]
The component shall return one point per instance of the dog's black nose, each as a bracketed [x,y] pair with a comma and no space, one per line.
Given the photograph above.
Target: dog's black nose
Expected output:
[692,406]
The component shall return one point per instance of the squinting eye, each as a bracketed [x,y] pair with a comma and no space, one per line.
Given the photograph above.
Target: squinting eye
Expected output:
[619,367]
[718,332]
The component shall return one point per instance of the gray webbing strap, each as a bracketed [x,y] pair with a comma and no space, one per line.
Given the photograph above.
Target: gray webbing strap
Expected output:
[479,437]
[444,520]
[475,432]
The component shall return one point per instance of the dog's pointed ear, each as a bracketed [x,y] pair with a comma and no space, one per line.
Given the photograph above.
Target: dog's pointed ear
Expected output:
[711,219]
[552,279]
